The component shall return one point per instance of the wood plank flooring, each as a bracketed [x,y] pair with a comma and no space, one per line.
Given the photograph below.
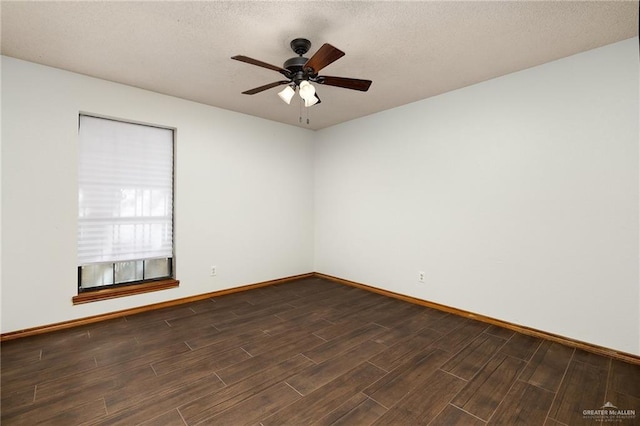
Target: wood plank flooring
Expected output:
[300,353]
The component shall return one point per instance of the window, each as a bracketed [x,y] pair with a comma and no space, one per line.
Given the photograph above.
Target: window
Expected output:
[125,215]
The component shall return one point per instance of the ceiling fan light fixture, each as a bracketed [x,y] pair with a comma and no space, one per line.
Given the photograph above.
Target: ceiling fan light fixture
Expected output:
[307,91]
[287,94]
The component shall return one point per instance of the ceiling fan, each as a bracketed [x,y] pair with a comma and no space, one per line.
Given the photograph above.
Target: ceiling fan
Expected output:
[301,72]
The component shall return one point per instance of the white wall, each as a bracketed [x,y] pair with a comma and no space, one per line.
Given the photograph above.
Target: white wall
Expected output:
[518,197]
[243,202]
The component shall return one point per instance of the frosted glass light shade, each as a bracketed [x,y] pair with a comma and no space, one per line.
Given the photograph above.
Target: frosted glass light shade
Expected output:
[286,94]
[307,90]
[310,102]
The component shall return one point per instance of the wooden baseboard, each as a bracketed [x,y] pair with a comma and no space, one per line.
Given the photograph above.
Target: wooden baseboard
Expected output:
[600,350]
[111,315]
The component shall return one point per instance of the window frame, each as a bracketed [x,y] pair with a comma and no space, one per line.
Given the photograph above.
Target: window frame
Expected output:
[121,289]
[125,283]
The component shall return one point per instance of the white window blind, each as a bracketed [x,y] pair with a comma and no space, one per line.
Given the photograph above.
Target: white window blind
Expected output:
[125,191]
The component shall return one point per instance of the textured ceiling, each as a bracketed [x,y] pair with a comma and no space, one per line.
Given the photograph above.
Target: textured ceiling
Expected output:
[411,50]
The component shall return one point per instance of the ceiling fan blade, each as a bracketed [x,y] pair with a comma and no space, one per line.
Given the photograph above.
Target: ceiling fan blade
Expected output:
[326,55]
[252,61]
[265,87]
[347,83]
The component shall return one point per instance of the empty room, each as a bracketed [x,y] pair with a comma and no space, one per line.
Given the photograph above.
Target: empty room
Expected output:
[320,212]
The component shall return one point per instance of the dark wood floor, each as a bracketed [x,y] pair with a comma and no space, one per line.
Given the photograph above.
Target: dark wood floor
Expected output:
[301,353]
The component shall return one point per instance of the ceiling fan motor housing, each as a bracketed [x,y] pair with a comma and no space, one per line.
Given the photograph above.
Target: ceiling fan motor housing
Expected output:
[296,67]
[295,64]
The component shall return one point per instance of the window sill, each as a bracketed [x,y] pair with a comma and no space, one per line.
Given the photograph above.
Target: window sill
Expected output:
[112,293]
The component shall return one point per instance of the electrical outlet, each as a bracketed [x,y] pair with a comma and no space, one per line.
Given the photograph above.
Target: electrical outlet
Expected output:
[421,276]
[214,271]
